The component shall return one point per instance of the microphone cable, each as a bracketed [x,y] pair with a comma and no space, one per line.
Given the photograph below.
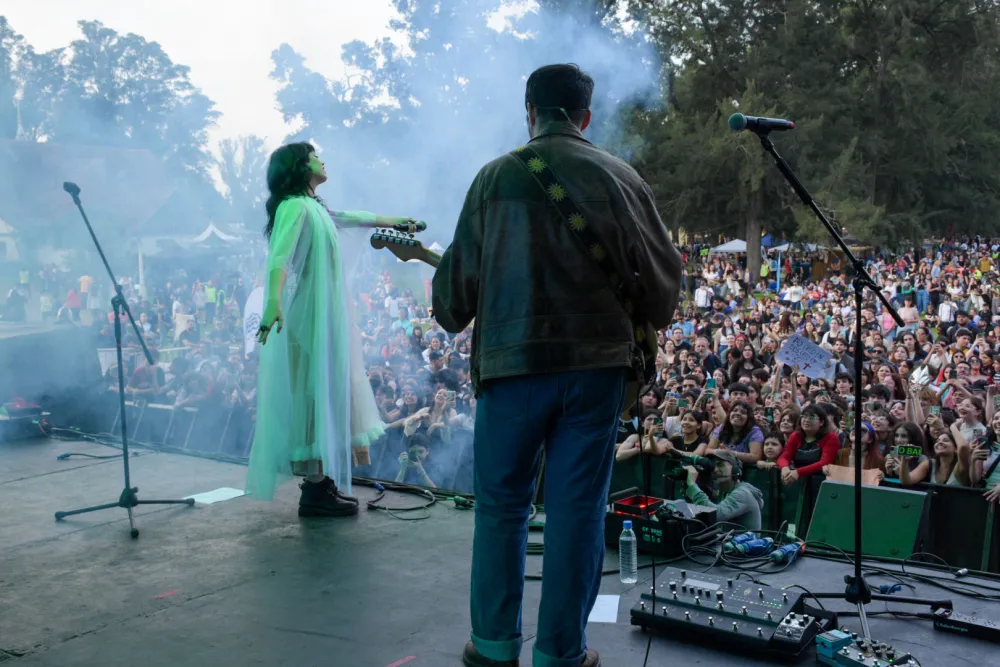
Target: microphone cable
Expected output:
[645,467]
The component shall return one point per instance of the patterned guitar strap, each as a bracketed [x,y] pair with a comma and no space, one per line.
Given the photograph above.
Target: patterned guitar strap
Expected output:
[559,197]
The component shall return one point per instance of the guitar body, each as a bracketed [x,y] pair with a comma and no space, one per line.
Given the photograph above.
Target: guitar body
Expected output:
[643,366]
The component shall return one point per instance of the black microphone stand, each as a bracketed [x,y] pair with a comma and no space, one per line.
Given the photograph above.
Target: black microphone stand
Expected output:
[129,497]
[858,591]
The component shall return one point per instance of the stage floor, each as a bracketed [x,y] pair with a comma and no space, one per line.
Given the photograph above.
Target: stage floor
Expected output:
[242,583]
[14,329]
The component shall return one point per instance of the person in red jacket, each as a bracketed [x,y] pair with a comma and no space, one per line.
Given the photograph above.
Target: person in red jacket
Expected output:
[815,444]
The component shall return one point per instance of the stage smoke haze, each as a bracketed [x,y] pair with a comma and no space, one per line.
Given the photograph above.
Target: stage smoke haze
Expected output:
[452,101]
[407,132]
[403,134]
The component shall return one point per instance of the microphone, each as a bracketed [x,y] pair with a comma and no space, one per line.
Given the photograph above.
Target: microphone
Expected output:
[418,225]
[72,188]
[738,122]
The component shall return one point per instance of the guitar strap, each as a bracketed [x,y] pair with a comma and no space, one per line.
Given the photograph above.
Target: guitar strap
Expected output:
[558,195]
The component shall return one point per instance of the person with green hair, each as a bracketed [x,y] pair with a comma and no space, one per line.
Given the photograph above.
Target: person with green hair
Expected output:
[316,414]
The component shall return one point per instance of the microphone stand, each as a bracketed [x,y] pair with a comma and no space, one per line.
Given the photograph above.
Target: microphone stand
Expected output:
[858,591]
[129,496]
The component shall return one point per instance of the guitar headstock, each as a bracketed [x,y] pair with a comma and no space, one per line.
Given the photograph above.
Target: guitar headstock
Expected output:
[403,246]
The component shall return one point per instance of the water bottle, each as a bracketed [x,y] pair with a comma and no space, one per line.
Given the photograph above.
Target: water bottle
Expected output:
[628,555]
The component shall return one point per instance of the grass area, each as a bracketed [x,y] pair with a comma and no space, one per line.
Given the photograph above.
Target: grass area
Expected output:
[411,276]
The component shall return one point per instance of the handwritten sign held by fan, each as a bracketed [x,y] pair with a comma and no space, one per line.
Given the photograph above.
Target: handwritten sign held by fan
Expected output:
[813,361]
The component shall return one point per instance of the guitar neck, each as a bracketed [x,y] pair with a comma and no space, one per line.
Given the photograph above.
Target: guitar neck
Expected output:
[405,248]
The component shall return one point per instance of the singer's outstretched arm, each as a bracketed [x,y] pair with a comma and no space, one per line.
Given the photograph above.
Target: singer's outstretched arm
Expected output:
[365,219]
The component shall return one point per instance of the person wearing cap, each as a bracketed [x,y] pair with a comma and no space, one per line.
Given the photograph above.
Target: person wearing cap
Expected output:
[735,501]
[553,348]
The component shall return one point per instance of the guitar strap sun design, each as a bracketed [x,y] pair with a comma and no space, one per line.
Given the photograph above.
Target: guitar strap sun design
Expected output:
[558,196]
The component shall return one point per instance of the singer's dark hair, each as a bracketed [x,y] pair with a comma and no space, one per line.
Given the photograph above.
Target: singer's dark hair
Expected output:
[556,87]
[288,175]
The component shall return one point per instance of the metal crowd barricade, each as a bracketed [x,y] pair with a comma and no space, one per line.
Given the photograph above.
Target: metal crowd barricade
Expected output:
[107,356]
[203,431]
[962,527]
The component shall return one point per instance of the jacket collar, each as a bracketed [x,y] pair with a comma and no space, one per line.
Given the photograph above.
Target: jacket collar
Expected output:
[563,127]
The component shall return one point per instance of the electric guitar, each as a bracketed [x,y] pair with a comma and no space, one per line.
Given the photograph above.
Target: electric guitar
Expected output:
[404,246]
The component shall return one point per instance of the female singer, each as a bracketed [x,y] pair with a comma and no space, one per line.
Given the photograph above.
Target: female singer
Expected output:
[316,414]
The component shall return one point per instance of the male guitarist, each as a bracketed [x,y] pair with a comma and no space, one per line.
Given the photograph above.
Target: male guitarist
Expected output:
[543,233]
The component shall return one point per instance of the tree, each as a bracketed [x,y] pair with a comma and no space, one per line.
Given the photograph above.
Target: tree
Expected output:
[242,168]
[115,90]
[124,91]
[12,49]
[889,98]
[410,126]
[42,77]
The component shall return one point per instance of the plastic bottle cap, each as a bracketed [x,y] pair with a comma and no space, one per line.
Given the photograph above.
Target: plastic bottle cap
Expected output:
[627,525]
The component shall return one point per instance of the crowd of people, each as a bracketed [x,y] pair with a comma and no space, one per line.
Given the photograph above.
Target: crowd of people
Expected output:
[192,325]
[930,387]
[933,384]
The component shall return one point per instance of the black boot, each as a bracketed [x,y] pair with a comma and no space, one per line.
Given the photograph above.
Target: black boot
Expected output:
[340,494]
[473,658]
[322,499]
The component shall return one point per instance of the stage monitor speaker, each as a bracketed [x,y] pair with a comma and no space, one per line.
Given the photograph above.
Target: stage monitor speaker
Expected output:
[892,519]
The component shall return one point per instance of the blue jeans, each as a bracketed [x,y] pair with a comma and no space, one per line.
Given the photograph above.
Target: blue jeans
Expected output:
[574,415]
[923,300]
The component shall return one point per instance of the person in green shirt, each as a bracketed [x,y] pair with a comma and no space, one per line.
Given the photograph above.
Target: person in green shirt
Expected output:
[734,501]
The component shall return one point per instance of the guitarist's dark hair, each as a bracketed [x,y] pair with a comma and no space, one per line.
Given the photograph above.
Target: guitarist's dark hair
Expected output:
[555,89]
[288,175]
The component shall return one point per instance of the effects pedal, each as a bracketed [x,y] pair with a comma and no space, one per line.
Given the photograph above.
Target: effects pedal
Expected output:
[841,648]
[731,614]
[968,626]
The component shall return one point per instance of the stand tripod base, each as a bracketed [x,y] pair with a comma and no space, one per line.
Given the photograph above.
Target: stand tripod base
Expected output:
[860,594]
[128,499]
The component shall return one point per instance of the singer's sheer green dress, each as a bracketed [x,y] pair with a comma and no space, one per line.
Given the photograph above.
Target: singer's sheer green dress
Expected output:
[314,401]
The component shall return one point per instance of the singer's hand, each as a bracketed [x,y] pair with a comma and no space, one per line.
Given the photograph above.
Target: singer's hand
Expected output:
[410,226]
[272,315]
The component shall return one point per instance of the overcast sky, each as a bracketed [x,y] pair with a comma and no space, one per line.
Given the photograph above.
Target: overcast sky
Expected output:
[226,43]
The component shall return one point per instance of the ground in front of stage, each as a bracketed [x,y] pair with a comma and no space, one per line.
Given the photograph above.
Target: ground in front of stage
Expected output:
[240,583]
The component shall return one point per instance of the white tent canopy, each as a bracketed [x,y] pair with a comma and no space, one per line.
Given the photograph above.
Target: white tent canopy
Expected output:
[734,247]
[210,231]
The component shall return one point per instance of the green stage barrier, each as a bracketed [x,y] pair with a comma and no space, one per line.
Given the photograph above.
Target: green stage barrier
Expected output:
[952,522]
